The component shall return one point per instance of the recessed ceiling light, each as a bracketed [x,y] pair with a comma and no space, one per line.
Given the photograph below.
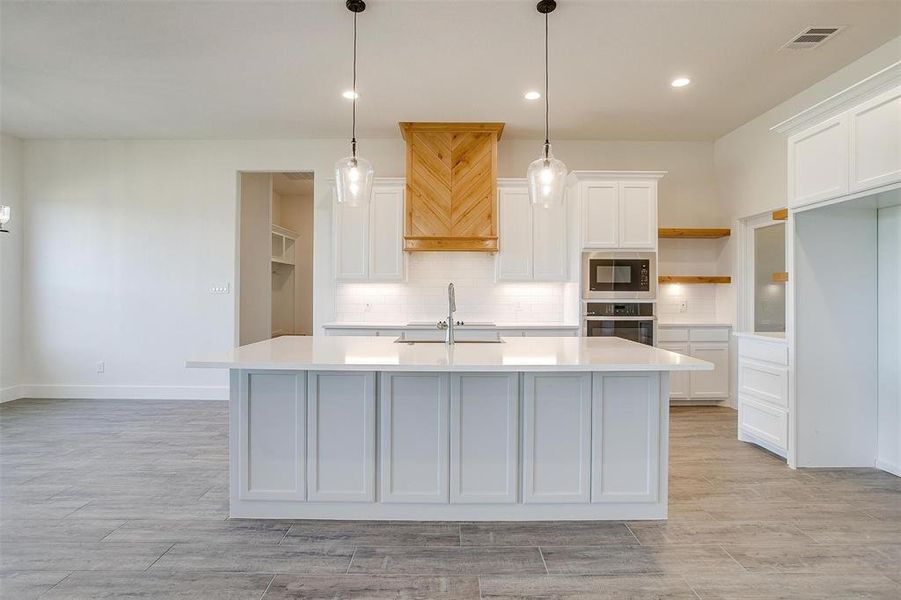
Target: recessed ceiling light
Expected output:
[532,95]
[680,82]
[350,94]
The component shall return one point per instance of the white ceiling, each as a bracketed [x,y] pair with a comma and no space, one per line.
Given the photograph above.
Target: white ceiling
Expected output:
[250,69]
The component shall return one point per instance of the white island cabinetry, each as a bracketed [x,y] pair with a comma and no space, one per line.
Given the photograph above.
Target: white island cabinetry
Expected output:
[525,429]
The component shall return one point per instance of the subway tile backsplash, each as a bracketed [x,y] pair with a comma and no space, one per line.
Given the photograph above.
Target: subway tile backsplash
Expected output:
[423,297]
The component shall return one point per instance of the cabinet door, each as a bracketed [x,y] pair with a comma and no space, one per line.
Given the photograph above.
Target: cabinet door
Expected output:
[271,435]
[414,443]
[514,258]
[556,437]
[484,433]
[341,436]
[386,230]
[638,214]
[818,162]
[626,425]
[678,380]
[549,246]
[710,384]
[351,241]
[876,141]
[600,214]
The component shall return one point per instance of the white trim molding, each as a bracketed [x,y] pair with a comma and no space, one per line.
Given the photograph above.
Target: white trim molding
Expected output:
[122,392]
[13,392]
[847,98]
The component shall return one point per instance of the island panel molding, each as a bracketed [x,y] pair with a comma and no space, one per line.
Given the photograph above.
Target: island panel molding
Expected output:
[451,186]
[319,441]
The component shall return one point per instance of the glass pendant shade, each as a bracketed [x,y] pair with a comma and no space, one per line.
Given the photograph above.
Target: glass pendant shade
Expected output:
[547,180]
[353,177]
[4,215]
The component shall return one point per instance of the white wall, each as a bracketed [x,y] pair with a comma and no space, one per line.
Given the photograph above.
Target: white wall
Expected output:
[125,238]
[835,270]
[11,150]
[888,452]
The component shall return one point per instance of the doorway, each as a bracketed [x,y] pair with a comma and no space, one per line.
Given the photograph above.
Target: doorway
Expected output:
[275,255]
[763,275]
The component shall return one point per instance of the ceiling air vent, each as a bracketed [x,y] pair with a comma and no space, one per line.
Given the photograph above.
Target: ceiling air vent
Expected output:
[811,37]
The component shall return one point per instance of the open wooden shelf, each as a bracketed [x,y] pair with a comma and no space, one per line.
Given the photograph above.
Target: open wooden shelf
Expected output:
[693,233]
[694,279]
[780,215]
[780,277]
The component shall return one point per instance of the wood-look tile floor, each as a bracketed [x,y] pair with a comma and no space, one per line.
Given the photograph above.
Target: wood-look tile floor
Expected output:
[102,499]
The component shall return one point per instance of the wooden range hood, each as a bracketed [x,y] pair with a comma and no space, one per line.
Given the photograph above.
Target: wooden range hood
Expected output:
[451,200]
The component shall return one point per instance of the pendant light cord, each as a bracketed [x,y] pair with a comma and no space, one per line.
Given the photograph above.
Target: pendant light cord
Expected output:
[353,134]
[547,134]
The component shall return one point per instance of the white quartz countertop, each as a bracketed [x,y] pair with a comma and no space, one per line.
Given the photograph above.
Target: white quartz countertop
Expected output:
[776,337]
[353,353]
[473,325]
[693,324]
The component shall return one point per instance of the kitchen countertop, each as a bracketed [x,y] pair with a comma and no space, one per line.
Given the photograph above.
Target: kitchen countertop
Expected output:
[358,353]
[693,324]
[475,325]
[777,337]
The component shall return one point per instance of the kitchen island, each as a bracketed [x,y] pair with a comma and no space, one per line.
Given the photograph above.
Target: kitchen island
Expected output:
[524,429]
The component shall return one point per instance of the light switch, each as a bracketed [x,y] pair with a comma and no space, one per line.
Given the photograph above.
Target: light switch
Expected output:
[222,288]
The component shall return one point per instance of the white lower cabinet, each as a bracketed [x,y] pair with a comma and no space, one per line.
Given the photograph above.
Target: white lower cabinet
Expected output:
[414,437]
[707,343]
[484,437]
[625,437]
[271,429]
[679,381]
[460,445]
[341,437]
[763,416]
[556,437]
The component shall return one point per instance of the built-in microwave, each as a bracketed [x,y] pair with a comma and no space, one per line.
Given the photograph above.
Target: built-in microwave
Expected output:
[619,275]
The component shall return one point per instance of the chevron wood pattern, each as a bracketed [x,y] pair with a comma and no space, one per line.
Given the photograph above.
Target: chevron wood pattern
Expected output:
[451,186]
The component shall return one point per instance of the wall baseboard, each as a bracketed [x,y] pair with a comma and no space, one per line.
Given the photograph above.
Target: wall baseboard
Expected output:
[893,468]
[13,392]
[123,392]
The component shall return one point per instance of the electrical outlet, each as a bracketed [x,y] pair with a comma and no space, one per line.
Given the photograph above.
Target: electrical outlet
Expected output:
[222,288]
[101,367]
[683,306]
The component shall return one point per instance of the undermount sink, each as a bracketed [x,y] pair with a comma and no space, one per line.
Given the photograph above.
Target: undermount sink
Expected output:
[401,340]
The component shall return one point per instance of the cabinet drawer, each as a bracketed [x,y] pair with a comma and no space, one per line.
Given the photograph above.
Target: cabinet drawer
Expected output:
[766,351]
[763,421]
[672,334]
[709,334]
[763,381]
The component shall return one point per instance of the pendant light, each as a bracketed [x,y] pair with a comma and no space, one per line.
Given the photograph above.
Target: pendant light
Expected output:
[547,175]
[4,218]
[353,175]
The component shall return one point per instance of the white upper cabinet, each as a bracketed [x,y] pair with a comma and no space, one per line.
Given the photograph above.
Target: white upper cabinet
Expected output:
[876,141]
[514,257]
[600,214]
[638,214]
[818,162]
[532,238]
[618,209]
[854,151]
[368,239]
[386,218]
